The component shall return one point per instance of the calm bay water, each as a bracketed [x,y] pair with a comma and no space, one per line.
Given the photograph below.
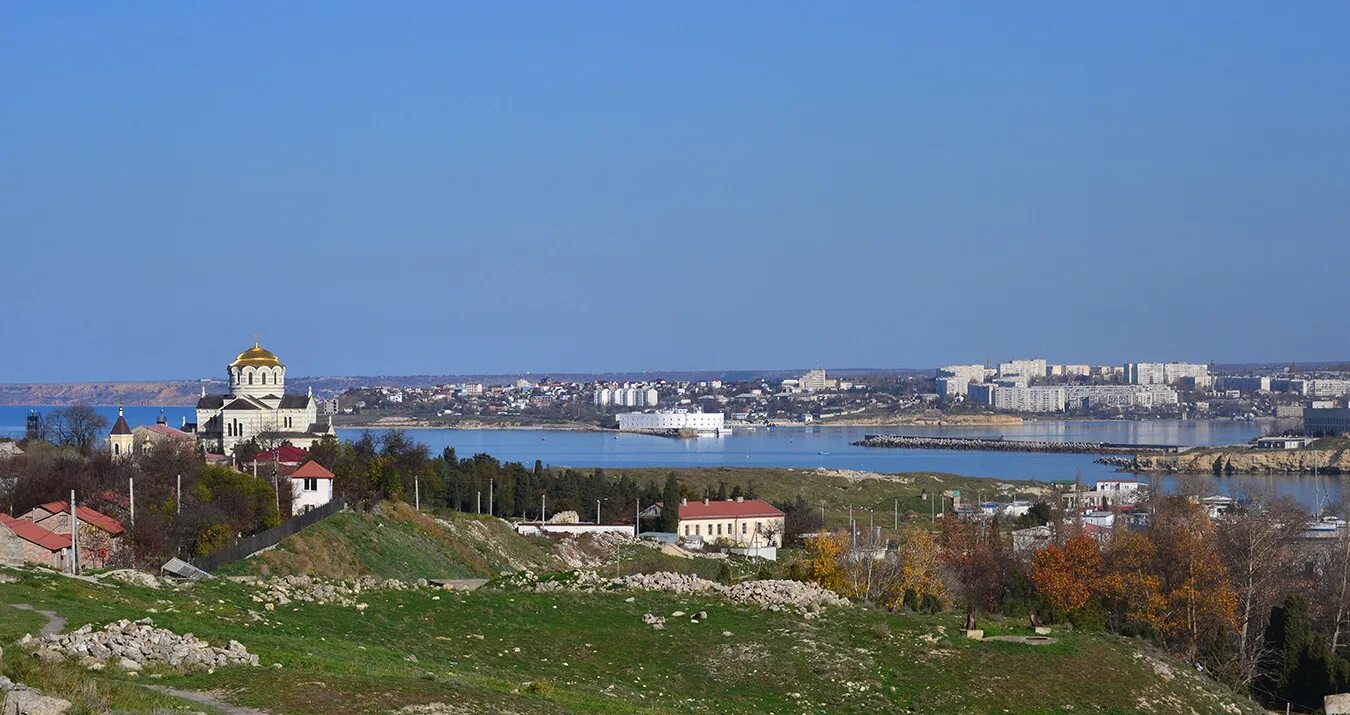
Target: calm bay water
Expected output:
[811,447]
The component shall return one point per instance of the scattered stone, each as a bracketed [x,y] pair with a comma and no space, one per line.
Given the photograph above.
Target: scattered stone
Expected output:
[19,698]
[131,576]
[775,595]
[288,590]
[565,517]
[657,622]
[133,644]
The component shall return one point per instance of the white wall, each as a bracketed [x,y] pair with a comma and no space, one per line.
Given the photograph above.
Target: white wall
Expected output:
[302,501]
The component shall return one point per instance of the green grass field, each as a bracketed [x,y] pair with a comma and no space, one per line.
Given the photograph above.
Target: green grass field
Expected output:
[492,651]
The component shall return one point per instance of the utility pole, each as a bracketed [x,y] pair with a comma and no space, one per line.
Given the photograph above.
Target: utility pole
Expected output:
[478,502]
[637,517]
[74,537]
[417,493]
[179,492]
[597,512]
[543,511]
[491,484]
[131,498]
[897,514]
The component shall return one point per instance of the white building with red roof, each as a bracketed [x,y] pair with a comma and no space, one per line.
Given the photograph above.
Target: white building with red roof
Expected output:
[311,486]
[740,523]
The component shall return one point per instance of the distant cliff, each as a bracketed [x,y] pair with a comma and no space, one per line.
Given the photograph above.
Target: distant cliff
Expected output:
[178,392]
[1245,460]
[159,393]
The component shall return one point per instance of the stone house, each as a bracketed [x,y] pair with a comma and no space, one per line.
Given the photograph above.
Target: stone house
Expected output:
[100,535]
[37,545]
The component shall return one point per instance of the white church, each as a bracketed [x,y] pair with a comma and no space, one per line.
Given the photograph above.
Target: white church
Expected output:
[257,406]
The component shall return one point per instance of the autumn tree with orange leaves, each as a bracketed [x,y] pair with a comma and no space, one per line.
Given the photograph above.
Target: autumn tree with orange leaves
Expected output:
[1067,575]
[1199,606]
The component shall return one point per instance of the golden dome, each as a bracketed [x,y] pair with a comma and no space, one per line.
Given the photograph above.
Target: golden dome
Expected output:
[256,356]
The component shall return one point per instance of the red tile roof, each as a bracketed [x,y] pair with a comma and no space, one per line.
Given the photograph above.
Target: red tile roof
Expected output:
[169,431]
[87,515]
[28,531]
[730,509]
[311,470]
[285,454]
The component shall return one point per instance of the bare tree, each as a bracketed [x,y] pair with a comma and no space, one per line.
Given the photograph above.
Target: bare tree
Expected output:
[1334,563]
[1258,543]
[79,426]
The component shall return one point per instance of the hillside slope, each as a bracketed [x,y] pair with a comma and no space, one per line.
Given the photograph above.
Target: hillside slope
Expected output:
[395,541]
[430,651]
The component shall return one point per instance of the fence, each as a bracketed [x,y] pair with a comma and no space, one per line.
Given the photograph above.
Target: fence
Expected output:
[249,545]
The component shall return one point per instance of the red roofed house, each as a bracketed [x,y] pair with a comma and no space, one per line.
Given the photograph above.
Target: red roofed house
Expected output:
[100,534]
[311,486]
[36,544]
[285,456]
[740,522]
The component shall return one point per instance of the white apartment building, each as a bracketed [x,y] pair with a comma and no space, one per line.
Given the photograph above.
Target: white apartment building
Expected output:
[969,373]
[1322,387]
[672,420]
[1029,399]
[1242,383]
[1146,396]
[1167,373]
[952,387]
[1069,370]
[627,397]
[1029,368]
[813,381]
[981,393]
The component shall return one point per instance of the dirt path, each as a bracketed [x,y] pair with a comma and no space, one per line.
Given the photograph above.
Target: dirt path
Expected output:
[55,624]
[206,699]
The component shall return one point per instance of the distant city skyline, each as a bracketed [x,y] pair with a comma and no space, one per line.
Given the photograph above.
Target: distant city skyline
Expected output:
[437,189]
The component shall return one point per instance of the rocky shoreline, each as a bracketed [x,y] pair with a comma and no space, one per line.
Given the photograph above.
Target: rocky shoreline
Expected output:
[1239,460]
[1003,445]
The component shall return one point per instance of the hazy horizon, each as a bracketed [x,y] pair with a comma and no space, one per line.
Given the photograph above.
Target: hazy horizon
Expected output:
[427,189]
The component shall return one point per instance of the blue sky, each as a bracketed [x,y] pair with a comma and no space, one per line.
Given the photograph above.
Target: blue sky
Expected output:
[440,187]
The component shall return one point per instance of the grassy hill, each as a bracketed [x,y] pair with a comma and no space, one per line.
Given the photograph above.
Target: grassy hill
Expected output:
[395,541]
[491,651]
[840,489]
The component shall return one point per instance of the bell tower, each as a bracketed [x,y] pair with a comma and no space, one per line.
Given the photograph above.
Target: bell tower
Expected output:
[120,440]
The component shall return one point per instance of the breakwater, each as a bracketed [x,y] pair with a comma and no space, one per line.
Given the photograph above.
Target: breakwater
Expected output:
[986,444]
